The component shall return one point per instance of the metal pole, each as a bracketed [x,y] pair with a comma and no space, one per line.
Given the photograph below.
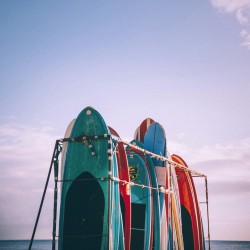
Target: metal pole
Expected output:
[109,148]
[43,196]
[55,196]
[171,203]
[209,247]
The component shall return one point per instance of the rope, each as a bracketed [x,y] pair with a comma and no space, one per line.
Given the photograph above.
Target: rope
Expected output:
[161,189]
[158,157]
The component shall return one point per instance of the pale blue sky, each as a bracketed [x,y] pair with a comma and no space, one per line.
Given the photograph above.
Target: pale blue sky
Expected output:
[185,64]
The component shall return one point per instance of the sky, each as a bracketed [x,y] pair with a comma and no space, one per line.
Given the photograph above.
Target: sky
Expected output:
[183,63]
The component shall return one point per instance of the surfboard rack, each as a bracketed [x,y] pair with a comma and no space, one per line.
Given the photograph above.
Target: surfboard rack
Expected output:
[87,140]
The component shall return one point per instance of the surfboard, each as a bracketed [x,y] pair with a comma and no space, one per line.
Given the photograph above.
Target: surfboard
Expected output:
[156,220]
[155,141]
[123,171]
[90,214]
[64,147]
[173,210]
[141,202]
[141,130]
[193,236]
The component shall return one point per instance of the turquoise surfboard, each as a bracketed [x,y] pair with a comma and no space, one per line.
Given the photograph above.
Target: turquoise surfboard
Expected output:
[90,214]
[141,203]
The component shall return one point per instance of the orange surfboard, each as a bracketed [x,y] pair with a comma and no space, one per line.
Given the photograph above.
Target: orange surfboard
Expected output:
[190,212]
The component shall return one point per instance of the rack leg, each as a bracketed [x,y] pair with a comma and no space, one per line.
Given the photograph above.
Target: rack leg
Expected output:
[43,196]
[55,203]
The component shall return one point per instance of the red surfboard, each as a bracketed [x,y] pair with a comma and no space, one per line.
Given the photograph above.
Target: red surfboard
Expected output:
[123,171]
[142,129]
[190,211]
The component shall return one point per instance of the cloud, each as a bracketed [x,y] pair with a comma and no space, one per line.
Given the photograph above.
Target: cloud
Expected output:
[225,162]
[231,6]
[227,167]
[237,150]
[241,17]
[246,35]
[25,155]
[241,10]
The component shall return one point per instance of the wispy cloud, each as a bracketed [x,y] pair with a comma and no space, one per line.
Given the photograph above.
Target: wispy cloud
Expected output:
[227,167]
[241,10]
[228,162]
[236,150]
[25,154]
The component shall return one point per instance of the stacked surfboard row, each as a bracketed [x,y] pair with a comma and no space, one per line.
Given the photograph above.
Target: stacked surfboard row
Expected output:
[114,196]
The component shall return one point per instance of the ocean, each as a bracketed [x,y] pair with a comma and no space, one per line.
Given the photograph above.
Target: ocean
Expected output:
[24,244]
[46,245]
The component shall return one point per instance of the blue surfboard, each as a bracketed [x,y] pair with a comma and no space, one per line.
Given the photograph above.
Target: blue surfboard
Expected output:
[155,193]
[155,141]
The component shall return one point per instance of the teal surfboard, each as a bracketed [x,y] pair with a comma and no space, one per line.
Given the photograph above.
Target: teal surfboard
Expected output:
[156,222]
[141,203]
[90,214]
